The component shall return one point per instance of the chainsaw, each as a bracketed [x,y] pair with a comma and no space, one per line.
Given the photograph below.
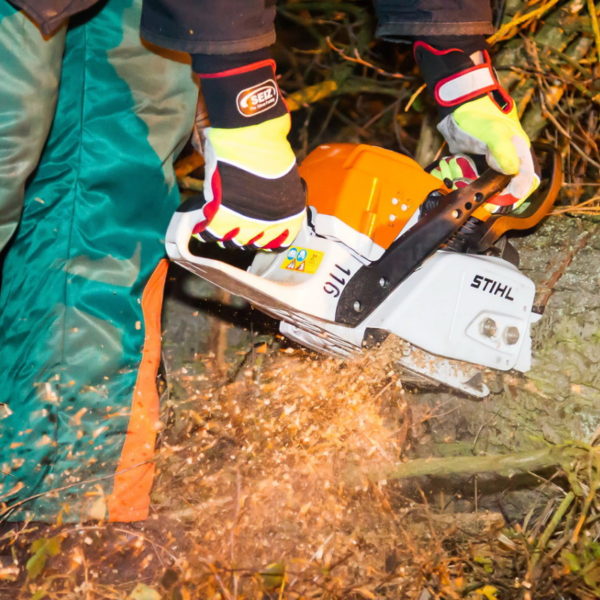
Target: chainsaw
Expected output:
[387,248]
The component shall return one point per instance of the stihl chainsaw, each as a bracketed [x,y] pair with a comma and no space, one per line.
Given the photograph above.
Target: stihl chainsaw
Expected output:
[388,249]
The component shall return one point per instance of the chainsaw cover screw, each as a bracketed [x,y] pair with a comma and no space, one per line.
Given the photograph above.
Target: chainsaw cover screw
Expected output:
[489,327]
[511,335]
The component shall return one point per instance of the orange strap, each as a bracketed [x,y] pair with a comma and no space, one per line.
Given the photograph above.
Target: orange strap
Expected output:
[130,498]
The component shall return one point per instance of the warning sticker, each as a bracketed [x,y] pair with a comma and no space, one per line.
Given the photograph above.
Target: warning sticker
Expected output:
[302,259]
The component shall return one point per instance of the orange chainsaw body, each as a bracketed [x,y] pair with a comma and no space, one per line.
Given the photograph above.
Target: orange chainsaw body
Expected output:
[376,192]
[373,190]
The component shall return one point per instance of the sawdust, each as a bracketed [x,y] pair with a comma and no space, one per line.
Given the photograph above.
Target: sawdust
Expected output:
[266,460]
[267,475]
[262,493]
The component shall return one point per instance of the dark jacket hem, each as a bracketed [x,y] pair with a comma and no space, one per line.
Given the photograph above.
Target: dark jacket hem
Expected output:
[398,30]
[50,16]
[194,46]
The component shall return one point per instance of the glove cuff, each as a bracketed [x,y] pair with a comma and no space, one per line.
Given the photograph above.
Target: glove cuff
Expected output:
[453,78]
[242,96]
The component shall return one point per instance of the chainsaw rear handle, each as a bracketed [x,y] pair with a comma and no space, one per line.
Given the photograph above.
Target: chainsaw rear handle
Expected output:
[373,283]
[183,221]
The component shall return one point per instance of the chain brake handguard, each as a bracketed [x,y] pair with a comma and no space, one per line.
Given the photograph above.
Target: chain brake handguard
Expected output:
[537,207]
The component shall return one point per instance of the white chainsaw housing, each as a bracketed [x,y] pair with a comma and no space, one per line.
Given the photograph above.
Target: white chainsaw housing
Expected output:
[460,307]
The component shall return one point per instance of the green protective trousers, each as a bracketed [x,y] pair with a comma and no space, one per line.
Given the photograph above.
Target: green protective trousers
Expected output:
[90,122]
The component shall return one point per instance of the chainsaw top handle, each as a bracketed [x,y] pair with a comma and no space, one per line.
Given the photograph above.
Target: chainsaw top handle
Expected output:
[373,283]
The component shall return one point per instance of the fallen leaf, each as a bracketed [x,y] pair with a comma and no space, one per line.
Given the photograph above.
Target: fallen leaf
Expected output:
[41,550]
[273,576]
[489,592]
[143,592]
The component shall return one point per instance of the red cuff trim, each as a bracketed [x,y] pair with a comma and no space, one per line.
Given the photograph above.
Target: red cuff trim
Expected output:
[433,50]
[505,103]
[269,62]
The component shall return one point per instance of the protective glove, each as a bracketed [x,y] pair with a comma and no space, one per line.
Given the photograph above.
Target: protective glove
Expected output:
[479,117]
[253,196]
[456,171]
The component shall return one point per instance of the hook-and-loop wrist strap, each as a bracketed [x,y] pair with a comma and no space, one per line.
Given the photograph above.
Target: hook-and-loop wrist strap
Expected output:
[453,79]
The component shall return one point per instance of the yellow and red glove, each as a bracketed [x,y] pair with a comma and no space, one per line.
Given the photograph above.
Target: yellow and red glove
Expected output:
[253,196]
[456,170]
[479,117]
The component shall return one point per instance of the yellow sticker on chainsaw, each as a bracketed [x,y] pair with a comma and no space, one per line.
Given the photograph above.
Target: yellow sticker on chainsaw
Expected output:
[303,260]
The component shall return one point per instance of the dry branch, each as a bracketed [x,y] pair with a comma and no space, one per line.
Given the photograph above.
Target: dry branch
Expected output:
[506,465]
